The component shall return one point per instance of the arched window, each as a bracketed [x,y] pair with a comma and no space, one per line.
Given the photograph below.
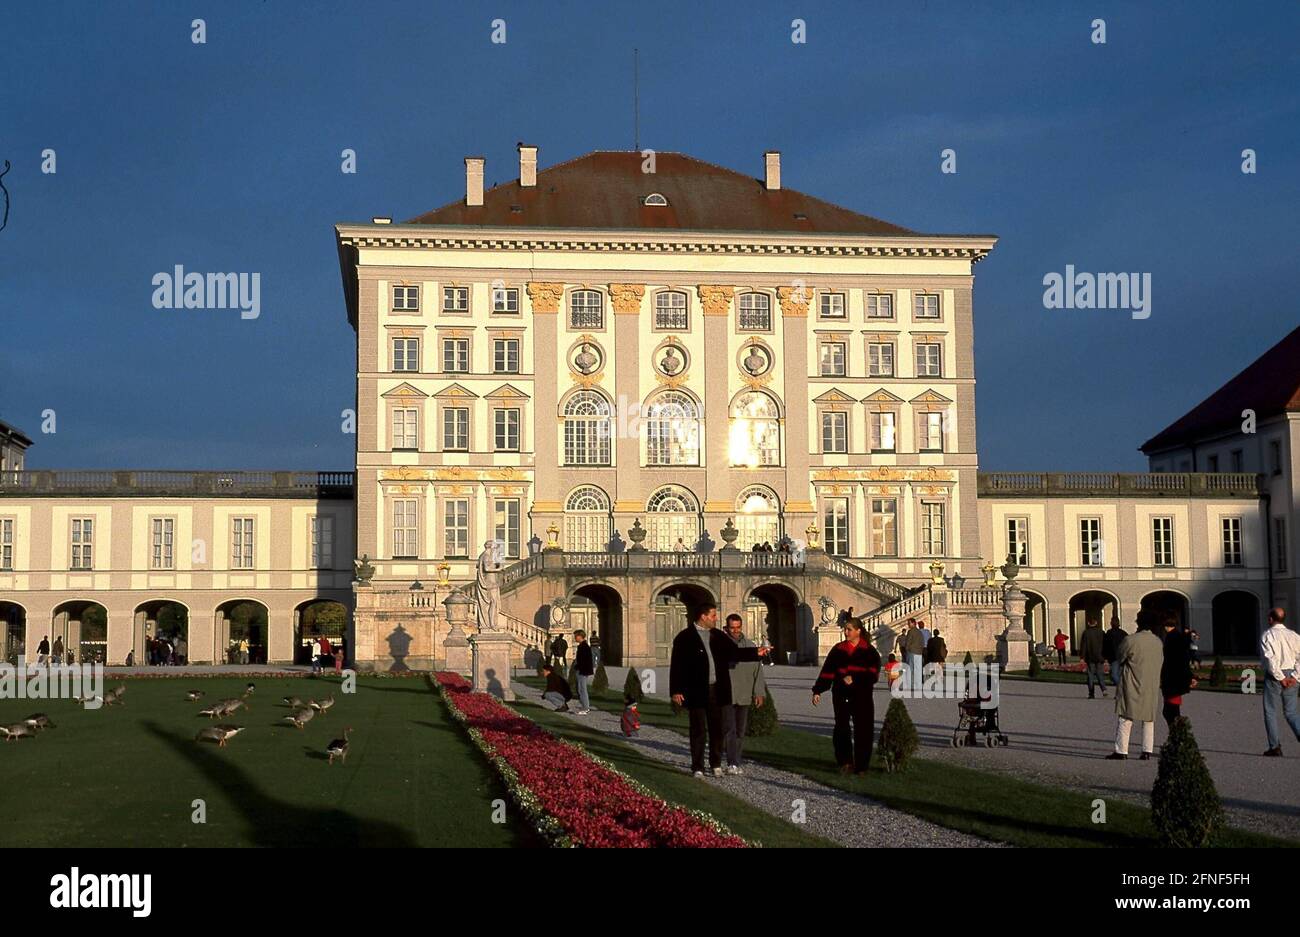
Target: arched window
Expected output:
[586,310]
[755,312]
[587,520]
[673,520]
[672,430]
[755,437]
[670,311]
[758,517]
[587,429]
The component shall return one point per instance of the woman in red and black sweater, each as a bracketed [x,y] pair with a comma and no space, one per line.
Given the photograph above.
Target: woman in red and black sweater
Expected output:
[850,672]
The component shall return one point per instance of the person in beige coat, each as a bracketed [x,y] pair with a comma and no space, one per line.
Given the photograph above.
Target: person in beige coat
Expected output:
[1138,699]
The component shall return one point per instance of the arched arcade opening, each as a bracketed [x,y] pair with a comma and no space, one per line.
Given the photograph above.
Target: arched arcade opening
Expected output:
[316,619]
[79,632]
[162,634]
[241,632]
[670,612]
[1235,619]
[598,609]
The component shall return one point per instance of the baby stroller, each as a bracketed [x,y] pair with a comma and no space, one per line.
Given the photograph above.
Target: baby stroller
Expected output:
[973,719]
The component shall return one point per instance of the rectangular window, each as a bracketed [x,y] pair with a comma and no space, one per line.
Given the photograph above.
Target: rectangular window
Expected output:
[83,542]
[455,355]
[880,359]
[455,528]
[670,311]
[1279,544]
[405,530]
[1237,461]
[162,543]
[405,422]
[505,430]
[1018,539]
[505,355]
[880,305]
[1091,552]
[932,528]
[406,299]
[1214,463]
[835,521]
[835,432]
[832,306]
[455,429]
[322,542]
[7,543]
[755,312]
[506,525]
[406,354]
[925,306]
[929,432]
[884,527]
[832,359]
[882,431]
[1275,457]
[505,301]
[241,543]
[1232,541]
[586,310]
[1162,541]
[455,299]
[928,360]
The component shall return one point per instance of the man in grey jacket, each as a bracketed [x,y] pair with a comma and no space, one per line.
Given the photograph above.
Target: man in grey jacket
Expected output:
[747,686]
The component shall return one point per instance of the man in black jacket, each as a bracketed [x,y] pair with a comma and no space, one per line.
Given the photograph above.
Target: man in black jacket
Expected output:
[699,678]
[557,691]
[585,665]
[1113,638]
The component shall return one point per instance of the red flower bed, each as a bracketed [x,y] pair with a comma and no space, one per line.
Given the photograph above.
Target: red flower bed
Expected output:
[573,798]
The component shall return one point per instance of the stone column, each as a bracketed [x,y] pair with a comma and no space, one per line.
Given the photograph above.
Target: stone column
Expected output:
[547,507]
[361,643]
[716,304]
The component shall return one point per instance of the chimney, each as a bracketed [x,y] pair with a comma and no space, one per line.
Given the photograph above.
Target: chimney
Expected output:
[474,180]
[772,161]
[527,166]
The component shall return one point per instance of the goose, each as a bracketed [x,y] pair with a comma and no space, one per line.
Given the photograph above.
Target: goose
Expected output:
[194,695]
[219,734]
[89,698]
[248,691]
[294,702]
[19,730]
[39,721]
[339,747]
[228,706]
[301,717]
[322,705]
[114,696]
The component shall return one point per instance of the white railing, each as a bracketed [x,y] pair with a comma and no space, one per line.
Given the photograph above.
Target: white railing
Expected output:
[913,604]
[524,632]
[685,560]
[974,598]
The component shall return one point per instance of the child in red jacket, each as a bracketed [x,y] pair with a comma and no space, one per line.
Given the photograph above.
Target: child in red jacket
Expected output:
[631,720]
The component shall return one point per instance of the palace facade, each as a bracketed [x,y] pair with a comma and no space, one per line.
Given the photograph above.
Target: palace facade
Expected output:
[628,370]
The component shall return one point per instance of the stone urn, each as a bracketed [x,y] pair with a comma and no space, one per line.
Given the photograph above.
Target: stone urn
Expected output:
[729,534]
[636,533]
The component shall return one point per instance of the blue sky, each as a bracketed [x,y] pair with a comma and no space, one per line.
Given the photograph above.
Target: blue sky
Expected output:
[225,156]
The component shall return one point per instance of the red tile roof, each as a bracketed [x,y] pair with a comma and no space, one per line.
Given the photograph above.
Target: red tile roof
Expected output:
[1269,386]
[606,189]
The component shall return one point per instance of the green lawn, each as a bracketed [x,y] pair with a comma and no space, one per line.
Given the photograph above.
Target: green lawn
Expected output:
[127,775]
[673,784]
[994,806]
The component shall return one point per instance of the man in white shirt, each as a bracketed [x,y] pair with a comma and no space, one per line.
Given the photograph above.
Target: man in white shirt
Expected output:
[1281,649]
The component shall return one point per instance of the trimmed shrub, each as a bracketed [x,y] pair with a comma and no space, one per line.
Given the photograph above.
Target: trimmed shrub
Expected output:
[763,720]
[1035,667]
[1218,673]
[967,660]
[632,686]
[898,738]
[600,679]
[1185,806]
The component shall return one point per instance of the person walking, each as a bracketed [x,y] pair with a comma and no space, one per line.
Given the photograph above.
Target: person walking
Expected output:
[1060,642]
[58,650]
[585,663]
[1092,648]
[243,650]
[560,650]
[557,691]
[1114,637]
[43,651]
[914,648]
[1281,652]
[850,673]
[326,652]
[1176,677]
[1142,656]
[315,655]
[936,652]
[747,686]
[699,679]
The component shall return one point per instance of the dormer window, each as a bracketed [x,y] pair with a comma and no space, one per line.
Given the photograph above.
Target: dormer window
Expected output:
[654,199]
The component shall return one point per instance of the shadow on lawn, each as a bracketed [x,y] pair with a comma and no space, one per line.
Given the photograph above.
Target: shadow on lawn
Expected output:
[275,822]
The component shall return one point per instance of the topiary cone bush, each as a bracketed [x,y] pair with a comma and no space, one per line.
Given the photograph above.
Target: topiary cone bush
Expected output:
[1185,806]
[541,662]
[1035,668]
[967,660]
[898,738]
[600,679]
[763,719]
[632,686]
[1218,673]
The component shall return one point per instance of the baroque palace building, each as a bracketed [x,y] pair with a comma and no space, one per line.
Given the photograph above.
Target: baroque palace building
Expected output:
[627,370]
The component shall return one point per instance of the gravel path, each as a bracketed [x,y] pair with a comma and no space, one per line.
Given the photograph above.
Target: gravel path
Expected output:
[844,818]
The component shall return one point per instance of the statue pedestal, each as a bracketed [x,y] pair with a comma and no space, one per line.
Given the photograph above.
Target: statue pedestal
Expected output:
[1013,649]
[456,647]
[491,664]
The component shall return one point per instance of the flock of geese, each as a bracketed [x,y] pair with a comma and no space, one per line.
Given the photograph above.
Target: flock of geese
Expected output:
[221,733]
